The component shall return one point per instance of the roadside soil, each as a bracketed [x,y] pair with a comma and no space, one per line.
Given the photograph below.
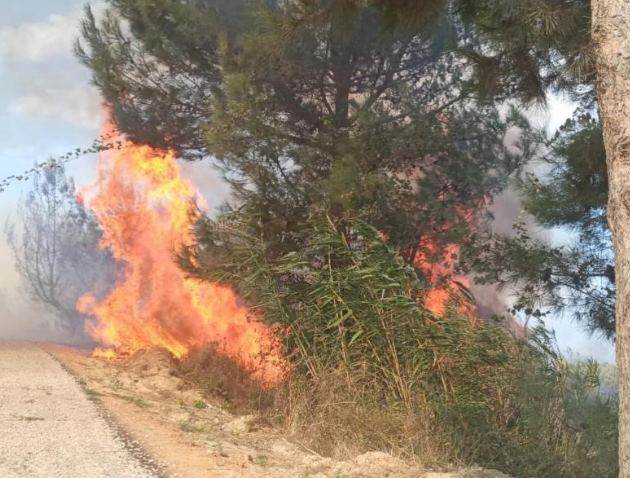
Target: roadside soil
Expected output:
[189,437]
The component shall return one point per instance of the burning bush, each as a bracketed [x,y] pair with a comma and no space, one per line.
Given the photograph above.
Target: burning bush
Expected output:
[334,334]
[374,369]
[144,208]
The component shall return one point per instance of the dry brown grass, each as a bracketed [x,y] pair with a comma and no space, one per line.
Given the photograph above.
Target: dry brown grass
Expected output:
[337,415]
[223,380]
[342,416]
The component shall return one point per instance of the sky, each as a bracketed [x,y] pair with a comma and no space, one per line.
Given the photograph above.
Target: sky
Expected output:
[48,107]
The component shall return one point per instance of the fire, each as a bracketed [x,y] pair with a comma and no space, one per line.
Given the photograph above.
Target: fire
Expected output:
[144,207]
[104,353]
[438,262]
[446,286]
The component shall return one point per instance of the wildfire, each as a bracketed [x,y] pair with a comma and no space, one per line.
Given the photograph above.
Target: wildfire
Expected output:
[437,262]
[447,286]
[108,354]
[144,207]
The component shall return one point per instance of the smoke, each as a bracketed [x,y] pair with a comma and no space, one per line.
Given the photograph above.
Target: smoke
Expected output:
[17,316]
[49,252]
[23,319]
[492,301]
[208,181]
[20,317]
[507,209]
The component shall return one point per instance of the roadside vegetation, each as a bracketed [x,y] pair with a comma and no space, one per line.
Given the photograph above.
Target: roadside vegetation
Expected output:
[365,142]
[374,370]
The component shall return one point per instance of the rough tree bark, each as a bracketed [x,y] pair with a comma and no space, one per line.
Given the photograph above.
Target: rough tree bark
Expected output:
[611,40]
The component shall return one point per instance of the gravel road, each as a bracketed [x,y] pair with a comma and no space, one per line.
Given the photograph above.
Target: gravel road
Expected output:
[48,426]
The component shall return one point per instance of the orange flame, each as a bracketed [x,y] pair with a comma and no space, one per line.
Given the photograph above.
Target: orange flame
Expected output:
[446,286]
[108,354]
[144,207]
[438,262]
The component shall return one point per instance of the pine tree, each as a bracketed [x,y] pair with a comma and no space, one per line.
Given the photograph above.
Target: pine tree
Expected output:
[381,110]
[581,47]
[524,51]
[361,108]
[571,192]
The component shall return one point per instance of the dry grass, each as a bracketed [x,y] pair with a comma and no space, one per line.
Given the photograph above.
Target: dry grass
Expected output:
[337,415]
[342,416]
[223,380]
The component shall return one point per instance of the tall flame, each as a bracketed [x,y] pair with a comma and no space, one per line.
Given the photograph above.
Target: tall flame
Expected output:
[144,207]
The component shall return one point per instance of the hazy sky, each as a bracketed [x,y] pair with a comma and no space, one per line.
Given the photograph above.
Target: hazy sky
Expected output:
[47,107]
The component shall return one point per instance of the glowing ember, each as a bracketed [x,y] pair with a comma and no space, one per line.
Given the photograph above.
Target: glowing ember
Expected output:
[144,208]
[104,353]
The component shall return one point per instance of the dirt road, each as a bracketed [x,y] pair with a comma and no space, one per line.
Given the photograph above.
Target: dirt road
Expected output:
[50,428]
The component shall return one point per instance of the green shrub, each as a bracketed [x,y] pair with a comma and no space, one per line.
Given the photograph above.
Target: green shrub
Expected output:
[375,370]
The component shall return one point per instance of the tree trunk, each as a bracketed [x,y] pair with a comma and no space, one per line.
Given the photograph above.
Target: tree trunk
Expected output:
[611,39]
